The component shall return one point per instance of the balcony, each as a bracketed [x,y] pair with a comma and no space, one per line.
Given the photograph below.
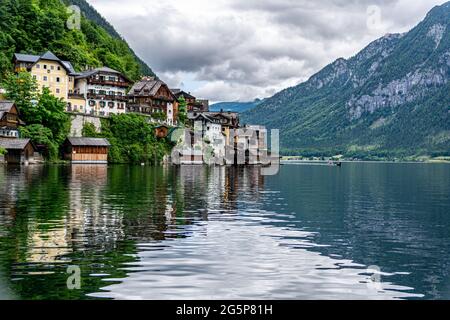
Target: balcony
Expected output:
[96,96]
[109,83]
[75,96]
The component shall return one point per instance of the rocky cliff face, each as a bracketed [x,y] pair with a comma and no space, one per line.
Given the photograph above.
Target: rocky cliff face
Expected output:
[391,98]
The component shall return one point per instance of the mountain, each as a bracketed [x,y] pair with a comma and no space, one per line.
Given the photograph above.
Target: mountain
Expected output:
[235,106]
[392,99]
[35,26]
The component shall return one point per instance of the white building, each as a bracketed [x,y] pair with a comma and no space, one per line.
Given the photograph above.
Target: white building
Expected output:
[208,134]
[104,90]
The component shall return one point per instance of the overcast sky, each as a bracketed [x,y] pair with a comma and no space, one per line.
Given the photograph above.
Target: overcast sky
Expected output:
[239,50]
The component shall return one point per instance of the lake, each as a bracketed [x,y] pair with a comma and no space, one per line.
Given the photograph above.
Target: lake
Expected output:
[363,231]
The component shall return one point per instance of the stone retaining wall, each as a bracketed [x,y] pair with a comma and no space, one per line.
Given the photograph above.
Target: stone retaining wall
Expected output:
[78,121]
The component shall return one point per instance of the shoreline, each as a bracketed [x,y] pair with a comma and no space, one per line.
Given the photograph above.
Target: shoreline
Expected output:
[325,162]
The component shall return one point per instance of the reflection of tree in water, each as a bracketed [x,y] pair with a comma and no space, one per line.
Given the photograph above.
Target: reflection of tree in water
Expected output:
[93,216]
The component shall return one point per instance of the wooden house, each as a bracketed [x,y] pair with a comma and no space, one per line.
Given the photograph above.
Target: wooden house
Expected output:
[86,150]
[18,150]
[193,104]
[153,97]
[9,120]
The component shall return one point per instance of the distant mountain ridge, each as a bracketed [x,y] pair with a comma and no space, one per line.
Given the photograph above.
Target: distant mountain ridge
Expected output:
[235,106]
[391,99]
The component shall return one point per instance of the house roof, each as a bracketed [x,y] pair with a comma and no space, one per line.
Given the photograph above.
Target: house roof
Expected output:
[92,72]
[148,87]
[29,58]
[5,106]
[84,142]
[14,144]
[178,93]
[206,117]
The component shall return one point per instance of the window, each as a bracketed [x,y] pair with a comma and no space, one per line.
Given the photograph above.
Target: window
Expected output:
[38,66]
[52,67]
[70,79]
[34,77]
[112,78]
[45,78]
[111,104]
[102,104]
[58,91]
[92,103]
[45,66]
[59,68]
[58,79]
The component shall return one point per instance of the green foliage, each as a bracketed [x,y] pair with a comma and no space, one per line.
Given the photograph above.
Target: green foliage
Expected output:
[182,110]
[41,135]
[44,115]
[35,26]
[89,130]
[132,140]
[22,89]
[2,151]
[159,116]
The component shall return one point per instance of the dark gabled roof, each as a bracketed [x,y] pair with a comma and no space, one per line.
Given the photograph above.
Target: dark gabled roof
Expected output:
[206,117]
[50,56]
[46,56]
[69,66]
[92,72]
[5,106]
[26,57]
[85,142]
[148,87]
[14,144]
[178,93]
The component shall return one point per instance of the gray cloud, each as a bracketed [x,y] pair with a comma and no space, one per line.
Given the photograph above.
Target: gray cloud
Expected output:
[240,50]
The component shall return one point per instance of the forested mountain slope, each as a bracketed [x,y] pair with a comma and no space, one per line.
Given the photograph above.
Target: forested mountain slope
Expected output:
[35,26]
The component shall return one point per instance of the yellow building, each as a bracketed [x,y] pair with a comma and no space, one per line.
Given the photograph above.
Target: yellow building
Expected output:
[51,72]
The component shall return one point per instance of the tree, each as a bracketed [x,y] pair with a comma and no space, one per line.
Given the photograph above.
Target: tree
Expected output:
[42,136]
[44,115]
[182,110]
[2,151]
[89,130]
[50,112]
[22,89]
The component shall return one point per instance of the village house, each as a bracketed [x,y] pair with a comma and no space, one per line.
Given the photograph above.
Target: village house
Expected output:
[9,120]
[103,91]
[86,150]
[229,121]
[193,104]
[49,71]
[208,133]
[153,97]
[18,151]
[252,145]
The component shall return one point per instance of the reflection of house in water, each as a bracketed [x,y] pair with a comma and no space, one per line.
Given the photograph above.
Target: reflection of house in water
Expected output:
[91,224]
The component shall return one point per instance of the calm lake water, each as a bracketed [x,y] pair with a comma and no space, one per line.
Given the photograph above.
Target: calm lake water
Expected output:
[363,231]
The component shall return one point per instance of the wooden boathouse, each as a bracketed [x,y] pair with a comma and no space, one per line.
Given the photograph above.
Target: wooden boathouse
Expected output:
[18,151]
[86,150]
